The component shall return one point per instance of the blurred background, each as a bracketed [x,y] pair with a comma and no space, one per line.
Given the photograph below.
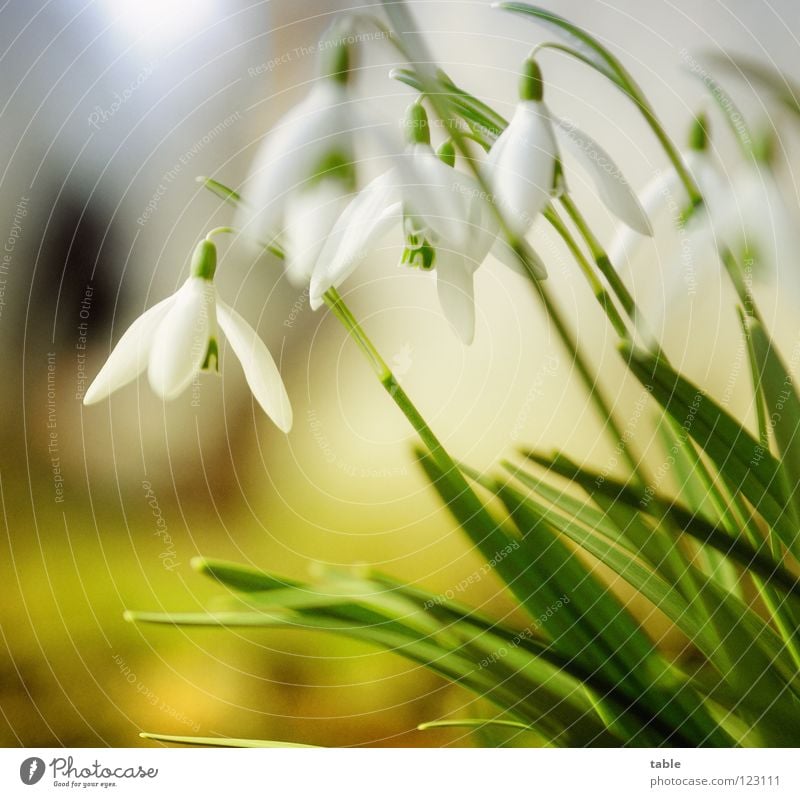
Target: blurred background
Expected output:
[109,110]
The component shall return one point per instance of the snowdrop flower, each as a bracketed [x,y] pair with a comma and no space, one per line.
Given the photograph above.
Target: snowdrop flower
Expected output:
[178,338]
[304,171]
[451,246]
[524,164]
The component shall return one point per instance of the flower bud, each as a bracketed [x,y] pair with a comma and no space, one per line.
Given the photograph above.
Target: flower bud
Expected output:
[765,146]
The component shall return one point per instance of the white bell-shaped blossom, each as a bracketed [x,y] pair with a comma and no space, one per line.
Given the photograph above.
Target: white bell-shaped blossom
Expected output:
[177,338]
[524,165]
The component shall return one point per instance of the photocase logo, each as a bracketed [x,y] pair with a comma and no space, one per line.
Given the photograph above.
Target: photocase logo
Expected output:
[31,770]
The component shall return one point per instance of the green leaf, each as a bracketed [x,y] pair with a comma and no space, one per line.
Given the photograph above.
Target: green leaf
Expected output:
[497,543]
[522,684]
[739,457]
[623,561]
[685,610]
[220,741]
[473,723]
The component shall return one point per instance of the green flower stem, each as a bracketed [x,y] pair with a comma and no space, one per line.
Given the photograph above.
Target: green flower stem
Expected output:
[442,105]
[600,293]
[607,269]
[342,312]
[429,439]
[445,462]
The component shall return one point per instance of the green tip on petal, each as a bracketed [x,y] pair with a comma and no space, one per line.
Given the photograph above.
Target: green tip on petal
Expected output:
[531,85]
[212,357]
[417,128]
[698,134]
[765,147]
[447,153]
[204,260]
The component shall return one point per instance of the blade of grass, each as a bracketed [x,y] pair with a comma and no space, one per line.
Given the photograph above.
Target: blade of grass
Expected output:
[597,628]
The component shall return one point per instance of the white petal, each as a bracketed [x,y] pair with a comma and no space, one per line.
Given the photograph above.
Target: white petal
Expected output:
[609,180]
[523,168]
[455,285]
[430,191]
[259,368]
[368,216]
[182,338]
[291,153]
[130,355]
[310,217]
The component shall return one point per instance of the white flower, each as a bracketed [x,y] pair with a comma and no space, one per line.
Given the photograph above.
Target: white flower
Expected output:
[446,218]
[524,164]
[178,337]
